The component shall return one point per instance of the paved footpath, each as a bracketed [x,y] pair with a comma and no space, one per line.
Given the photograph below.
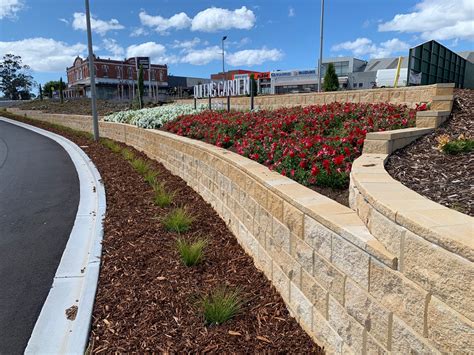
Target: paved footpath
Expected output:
[39,195]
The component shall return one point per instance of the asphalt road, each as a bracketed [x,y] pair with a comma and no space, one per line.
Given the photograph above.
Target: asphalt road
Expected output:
[39,195]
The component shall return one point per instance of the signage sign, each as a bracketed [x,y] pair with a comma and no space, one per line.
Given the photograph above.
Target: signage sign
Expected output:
[293,73]
[234,87]
[143,61]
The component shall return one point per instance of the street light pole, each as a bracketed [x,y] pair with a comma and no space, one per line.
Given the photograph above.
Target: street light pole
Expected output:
[320,47]
[95,121]
[223,67]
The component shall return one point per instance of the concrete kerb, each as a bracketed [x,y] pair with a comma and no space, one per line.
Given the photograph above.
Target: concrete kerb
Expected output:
[75,281]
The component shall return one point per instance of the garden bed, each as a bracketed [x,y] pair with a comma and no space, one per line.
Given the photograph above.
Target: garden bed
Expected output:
[313,145]
[75,106]
[444,178]
[147,298]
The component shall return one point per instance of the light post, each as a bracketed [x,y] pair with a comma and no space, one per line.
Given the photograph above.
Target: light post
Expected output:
[95,121]
[223,67]
[320,47]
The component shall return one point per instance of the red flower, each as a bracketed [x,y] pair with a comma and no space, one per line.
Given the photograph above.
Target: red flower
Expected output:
[338,159]
[314,170]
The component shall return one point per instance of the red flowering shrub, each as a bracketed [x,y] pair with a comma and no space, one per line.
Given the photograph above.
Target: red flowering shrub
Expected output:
[313,145]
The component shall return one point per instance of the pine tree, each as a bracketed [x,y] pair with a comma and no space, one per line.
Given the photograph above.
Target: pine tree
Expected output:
[61,95]
[40,92]
[331,82]
[140,86]
[253,85]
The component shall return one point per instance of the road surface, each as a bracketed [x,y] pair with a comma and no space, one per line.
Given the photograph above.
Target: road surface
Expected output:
[39,195]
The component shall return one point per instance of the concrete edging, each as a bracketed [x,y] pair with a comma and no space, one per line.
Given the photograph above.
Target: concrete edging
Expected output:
[75,281]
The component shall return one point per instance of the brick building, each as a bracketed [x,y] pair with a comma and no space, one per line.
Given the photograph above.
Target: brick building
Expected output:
[116,79]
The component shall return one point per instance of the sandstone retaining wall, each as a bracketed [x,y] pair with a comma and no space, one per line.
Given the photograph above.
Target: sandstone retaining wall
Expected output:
[345,287]
[409,96]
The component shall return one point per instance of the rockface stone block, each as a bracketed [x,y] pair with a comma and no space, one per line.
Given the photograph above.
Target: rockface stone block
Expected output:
[399,295]
[450,331]
[406,341]
[318,237]
[446,275]
[329,277]
[353,261]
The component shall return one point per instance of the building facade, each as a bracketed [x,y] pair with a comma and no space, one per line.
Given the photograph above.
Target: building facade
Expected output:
[116,79]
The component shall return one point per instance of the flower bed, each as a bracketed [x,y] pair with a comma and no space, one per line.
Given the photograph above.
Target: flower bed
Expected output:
[313,145]
[153,117]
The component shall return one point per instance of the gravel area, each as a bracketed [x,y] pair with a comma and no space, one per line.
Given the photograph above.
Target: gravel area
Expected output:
[146,296]
[443,178]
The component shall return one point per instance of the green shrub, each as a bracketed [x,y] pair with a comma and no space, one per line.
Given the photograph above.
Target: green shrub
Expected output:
[128,154]
[191,252]
[221,305]
[459,146]
[178,220]
[140,166]
[162,197]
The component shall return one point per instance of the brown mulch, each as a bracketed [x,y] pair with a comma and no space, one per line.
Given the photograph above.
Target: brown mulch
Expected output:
[146,296]
[75,106]
[443,178]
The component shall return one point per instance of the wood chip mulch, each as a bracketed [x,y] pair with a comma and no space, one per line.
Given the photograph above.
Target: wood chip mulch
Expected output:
[444,178]
[146,296]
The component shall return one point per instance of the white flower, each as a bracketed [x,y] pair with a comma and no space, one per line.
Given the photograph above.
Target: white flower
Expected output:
[153,117]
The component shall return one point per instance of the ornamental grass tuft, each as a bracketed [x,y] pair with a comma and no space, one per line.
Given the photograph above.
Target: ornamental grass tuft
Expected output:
[140,166]
[191,252]
[220,305]
[110,144]
[150,177]
[178,220]
[127,154]
[162,197]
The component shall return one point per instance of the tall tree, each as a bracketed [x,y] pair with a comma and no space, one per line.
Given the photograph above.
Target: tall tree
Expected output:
[61,94]
[40,92]
[15,81]
[140,86]
[331,82]
[50,86]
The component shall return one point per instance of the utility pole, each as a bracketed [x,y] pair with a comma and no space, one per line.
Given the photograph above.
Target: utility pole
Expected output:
[223,67]
[320,47]
[95,121]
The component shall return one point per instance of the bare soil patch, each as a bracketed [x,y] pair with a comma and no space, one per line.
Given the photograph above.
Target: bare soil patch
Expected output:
[444,178]
[146,296]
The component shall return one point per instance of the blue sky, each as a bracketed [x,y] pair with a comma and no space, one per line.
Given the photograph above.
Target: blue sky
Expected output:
[262,35]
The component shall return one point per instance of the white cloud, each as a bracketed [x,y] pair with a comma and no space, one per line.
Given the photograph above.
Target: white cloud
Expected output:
[365,46]
[202,56]
[114,48]
[215,19]
[436,19]
[156,51]
[209,20]
[64,20]
[291,12]
[161,24]
[44,54]
[97,25]
[138,31]
[9,8]
[186,44]
[249,57]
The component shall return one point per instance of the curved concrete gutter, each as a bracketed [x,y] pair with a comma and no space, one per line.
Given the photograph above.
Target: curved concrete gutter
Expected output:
[75,282]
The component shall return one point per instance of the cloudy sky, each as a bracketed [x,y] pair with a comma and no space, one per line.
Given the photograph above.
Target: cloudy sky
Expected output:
[262,34]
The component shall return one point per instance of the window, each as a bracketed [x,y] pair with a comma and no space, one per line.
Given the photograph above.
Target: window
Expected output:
[153,74]
[361,84]
[130,73]
[119,72]
[354,85]
[105,69]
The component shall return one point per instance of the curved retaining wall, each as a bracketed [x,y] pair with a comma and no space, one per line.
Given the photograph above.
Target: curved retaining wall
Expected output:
[343,285]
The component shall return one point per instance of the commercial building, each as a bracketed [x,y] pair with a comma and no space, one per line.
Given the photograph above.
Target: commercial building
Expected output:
[116,79]
[180,87]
